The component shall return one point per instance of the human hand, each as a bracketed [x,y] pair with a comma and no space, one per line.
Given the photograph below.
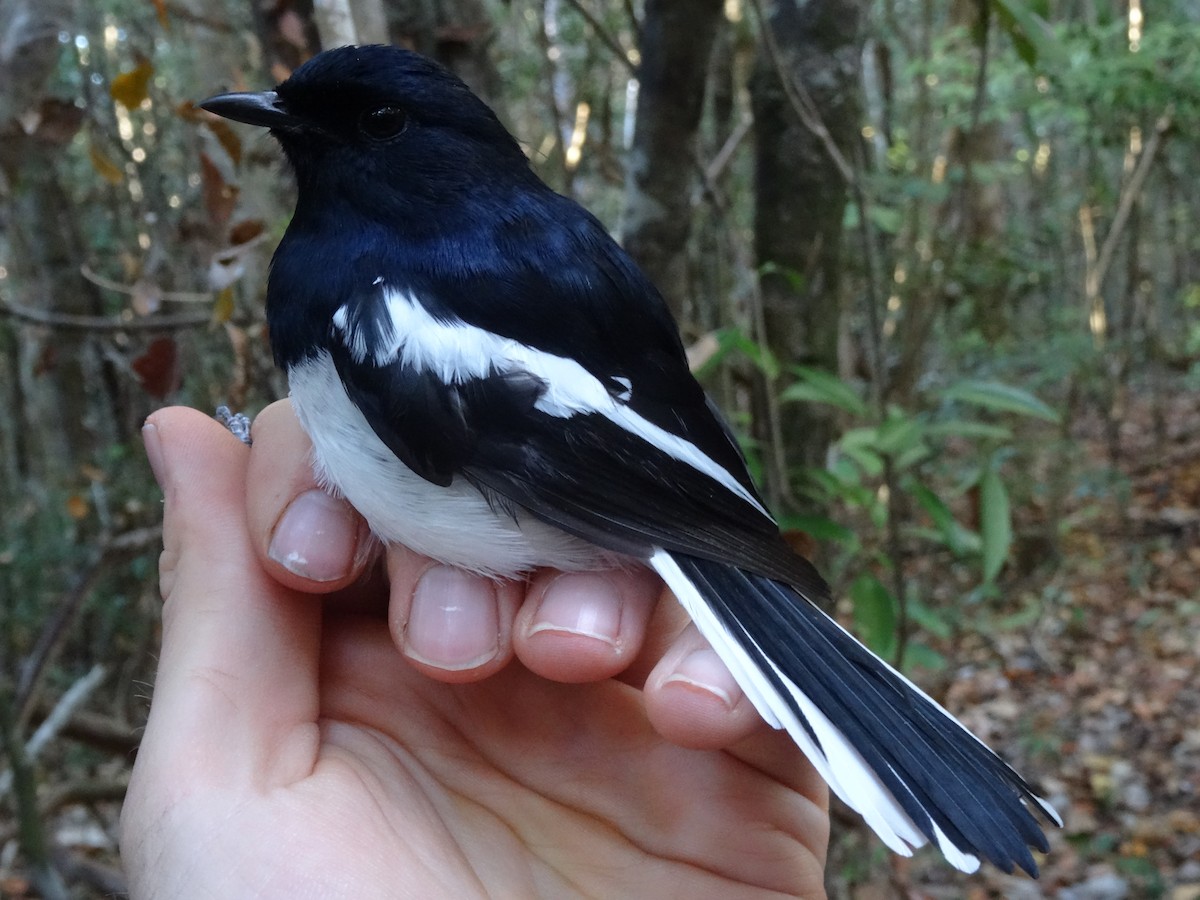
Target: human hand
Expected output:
[380,740]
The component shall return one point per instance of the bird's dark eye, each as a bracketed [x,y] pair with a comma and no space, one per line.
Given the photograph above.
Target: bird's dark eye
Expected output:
[383,122]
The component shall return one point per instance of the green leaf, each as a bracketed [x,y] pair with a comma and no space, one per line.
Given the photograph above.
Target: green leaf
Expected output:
[885,218]
[929,619]
[965,428]
[921,656]
[819,527]
[793,277]
[940,513]
[995,525]
[817,386]
[898,434]
[1032,37]
[1001,397]
[865,456]
[874,614]
[732,341]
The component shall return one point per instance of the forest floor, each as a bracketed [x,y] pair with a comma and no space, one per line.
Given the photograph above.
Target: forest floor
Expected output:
[1097,699]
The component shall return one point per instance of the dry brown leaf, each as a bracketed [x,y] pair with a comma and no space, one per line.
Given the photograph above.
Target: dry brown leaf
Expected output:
[104,166]
[245,230]
[223,308]
[227,138]
[160,9]
[158,368]
[132,87]
[77,507]
[220,197]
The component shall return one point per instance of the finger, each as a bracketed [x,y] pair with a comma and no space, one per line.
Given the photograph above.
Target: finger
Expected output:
[585,626]
[237,671]
[305,538]
[450,624]
[692,700]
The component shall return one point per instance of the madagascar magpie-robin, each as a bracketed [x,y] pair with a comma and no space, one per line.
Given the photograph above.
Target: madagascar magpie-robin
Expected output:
[490,380]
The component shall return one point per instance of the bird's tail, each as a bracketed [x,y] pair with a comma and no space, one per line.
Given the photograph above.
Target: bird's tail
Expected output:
[888,750]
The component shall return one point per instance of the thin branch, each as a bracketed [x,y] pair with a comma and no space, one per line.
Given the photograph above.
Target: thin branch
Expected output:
[799,98]
[71,322]
[717,166]
[131,289]
[606,37]
[98,731]
[74,697]
[1128,197]
[55,630]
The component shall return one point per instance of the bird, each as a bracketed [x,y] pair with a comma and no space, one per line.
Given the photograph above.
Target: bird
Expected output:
[491,381]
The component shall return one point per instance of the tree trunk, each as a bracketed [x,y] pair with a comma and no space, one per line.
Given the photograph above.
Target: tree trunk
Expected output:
[55,376]
[676,42]
[457,33]
[800,202]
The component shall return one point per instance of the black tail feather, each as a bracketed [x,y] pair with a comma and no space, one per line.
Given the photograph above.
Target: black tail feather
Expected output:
[948,783]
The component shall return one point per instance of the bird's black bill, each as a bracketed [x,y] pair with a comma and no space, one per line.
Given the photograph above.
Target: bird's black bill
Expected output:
[265,109]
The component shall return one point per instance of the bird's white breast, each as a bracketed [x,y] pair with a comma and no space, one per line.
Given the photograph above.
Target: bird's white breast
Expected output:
[454,524]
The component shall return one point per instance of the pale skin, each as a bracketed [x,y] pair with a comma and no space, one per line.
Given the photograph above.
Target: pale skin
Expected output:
[319,732]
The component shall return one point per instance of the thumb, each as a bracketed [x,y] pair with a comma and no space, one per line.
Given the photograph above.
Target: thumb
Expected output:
[237,676]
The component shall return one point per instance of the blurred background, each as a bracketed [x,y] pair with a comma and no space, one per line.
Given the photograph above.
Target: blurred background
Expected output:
[939,262]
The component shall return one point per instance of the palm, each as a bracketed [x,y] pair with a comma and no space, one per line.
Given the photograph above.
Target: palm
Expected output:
[529,788]
[291,751]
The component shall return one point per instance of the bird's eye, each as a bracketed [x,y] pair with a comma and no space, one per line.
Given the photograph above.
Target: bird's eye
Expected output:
[383,122]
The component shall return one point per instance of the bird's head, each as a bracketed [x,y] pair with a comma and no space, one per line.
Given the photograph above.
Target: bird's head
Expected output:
[381,127]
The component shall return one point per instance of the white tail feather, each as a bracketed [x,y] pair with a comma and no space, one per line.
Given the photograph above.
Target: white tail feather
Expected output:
[835,758]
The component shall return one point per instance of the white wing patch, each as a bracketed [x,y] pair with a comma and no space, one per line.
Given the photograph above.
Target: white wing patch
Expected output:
[457,352]
[402,507]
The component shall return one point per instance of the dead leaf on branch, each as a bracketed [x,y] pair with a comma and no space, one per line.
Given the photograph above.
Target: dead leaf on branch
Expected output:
[220,197]
[132,87]
[103,164]
[157,368]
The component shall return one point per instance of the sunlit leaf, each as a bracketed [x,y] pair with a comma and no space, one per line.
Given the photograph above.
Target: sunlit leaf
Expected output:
[1000,397]
[995,522]
[223,309]
[965,428]
[104,166]
[132,87]
[817,386]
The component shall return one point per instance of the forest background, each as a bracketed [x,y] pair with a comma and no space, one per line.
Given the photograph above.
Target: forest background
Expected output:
[939,262]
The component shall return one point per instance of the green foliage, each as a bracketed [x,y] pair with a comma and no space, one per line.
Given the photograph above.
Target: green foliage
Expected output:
[886,464]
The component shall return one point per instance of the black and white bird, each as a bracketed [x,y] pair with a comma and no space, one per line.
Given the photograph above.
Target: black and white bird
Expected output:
[490,380]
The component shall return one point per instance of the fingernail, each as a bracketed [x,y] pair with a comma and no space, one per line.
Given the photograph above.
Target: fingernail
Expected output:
[584,605]
[316,537]
[454,623]
[703,670]
[154,453]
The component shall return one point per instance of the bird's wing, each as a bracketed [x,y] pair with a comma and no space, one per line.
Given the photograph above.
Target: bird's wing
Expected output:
[539,430]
